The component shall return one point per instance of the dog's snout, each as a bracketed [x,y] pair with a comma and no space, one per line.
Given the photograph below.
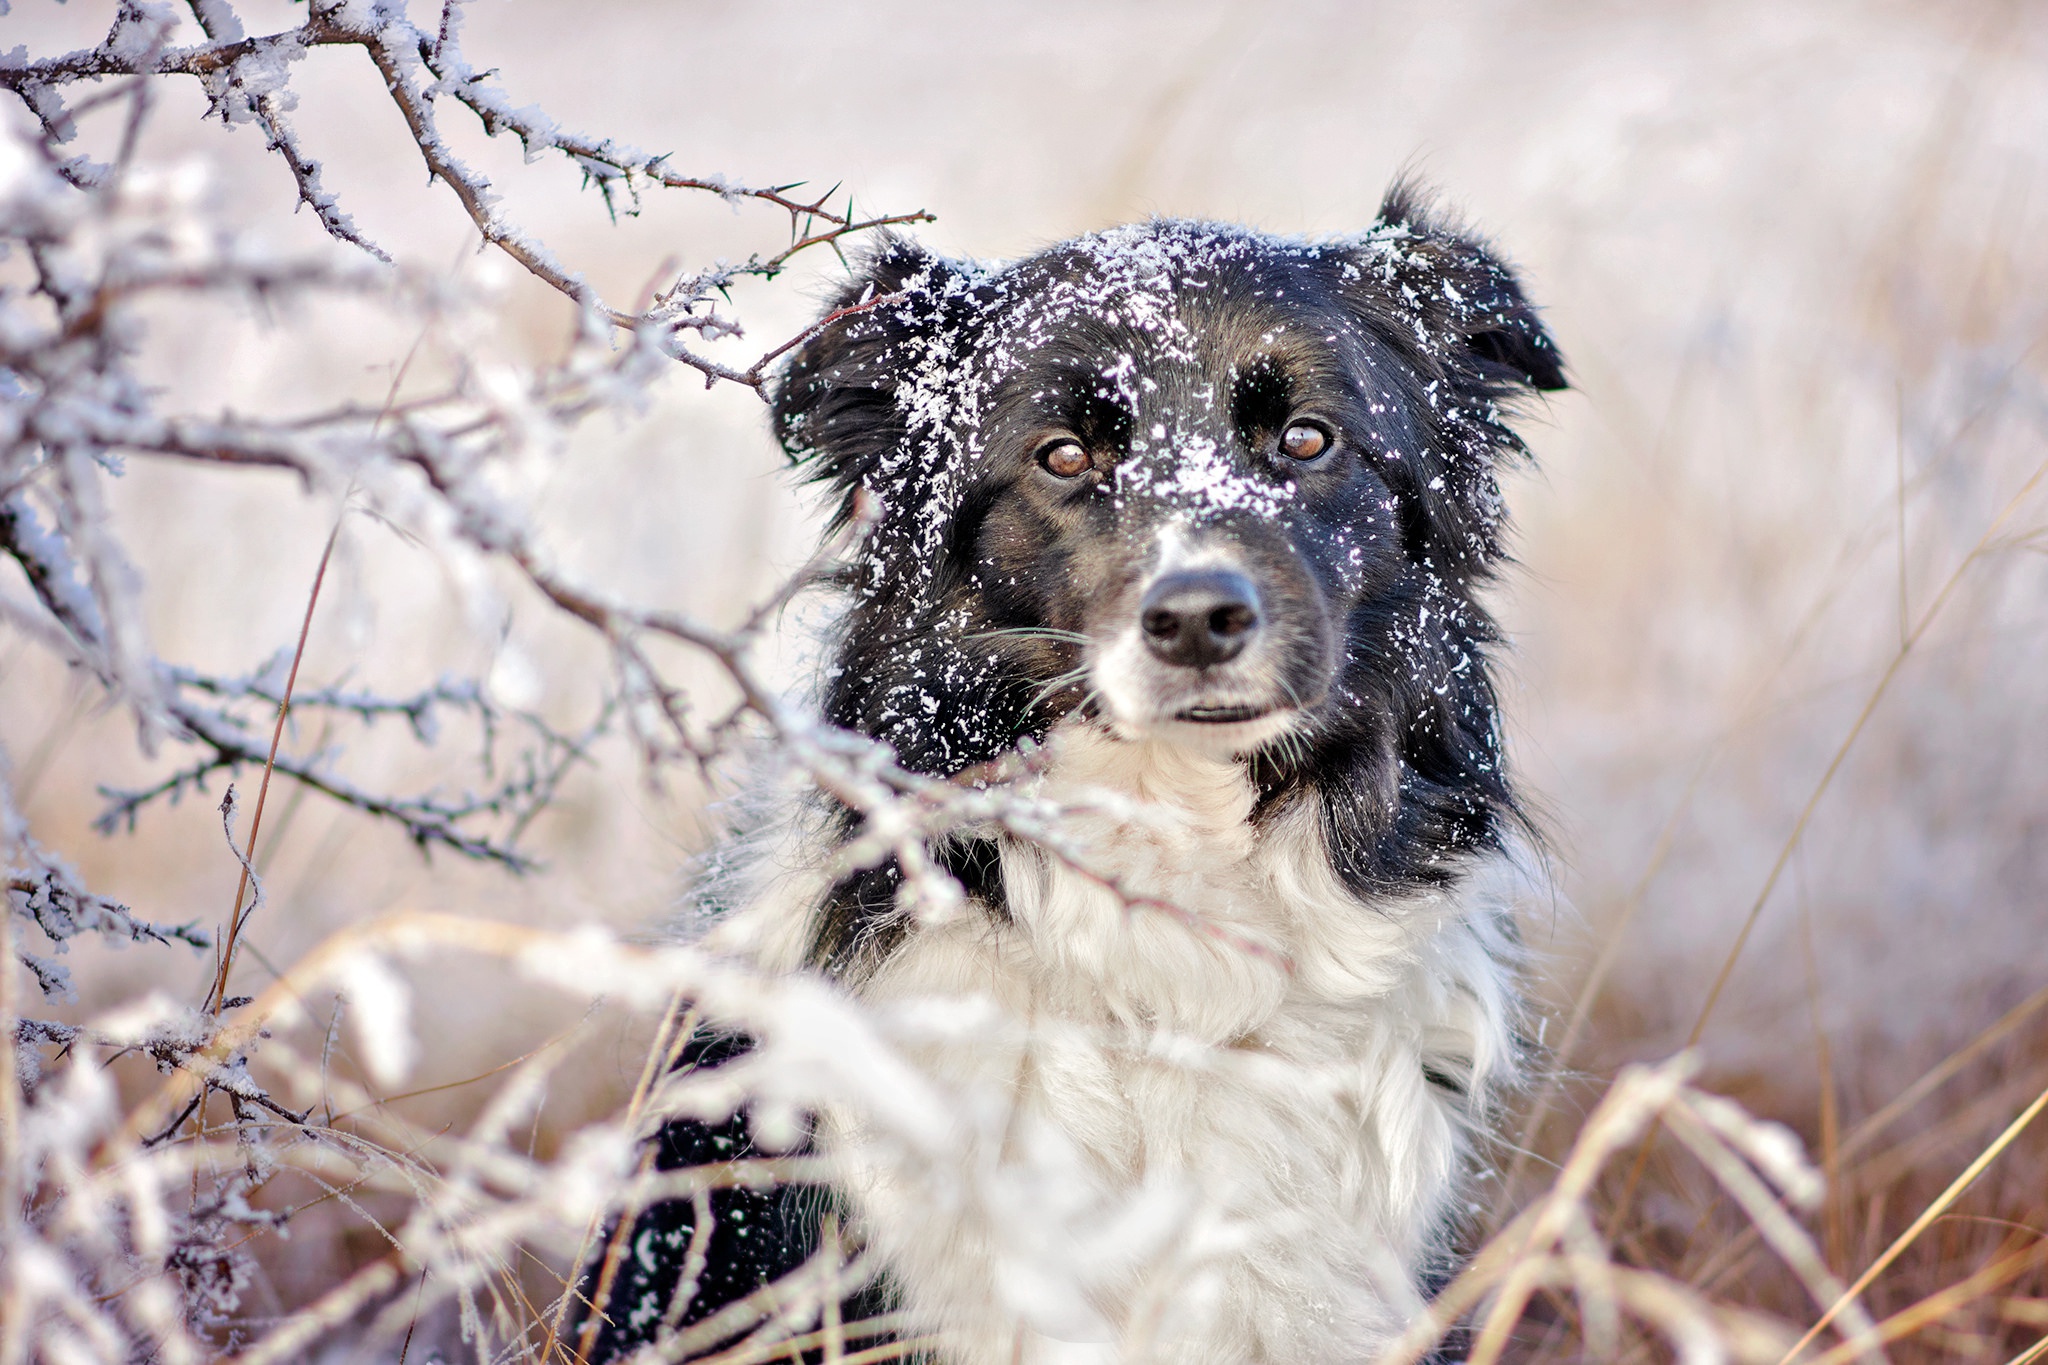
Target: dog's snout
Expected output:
[1196,619]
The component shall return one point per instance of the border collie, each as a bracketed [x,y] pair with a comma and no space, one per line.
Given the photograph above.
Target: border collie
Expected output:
[1196,516]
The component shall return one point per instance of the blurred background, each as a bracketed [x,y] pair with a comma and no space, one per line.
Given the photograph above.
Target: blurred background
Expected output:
[1797,259]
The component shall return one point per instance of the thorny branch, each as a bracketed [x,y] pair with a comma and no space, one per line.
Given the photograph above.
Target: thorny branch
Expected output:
[97,242]
[430,820]
[245,78]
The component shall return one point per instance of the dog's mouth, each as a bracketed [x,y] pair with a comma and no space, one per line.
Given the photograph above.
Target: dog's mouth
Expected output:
[1222,715]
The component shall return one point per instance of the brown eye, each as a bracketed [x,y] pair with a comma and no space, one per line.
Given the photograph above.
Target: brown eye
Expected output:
[1303,442]
[1064,459]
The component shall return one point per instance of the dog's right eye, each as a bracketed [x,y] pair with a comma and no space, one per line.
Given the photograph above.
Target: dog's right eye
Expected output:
[1304,441]
[1064,459]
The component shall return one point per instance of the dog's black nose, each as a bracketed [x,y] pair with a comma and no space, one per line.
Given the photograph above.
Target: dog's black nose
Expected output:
[1199,618]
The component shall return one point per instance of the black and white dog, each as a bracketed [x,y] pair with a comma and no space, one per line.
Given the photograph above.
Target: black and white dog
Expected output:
[1200,514]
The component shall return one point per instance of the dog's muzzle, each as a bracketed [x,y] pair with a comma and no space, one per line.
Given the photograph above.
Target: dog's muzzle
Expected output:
[1198,664]
[1199,618]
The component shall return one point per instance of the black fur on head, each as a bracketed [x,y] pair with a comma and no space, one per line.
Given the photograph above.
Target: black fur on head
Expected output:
[1309,432]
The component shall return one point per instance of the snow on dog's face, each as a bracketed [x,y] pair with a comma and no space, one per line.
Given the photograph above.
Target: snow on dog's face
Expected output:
[1199,484]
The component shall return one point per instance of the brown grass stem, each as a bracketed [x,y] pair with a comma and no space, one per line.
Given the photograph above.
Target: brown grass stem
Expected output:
[1596,980]
[500,1068]
[1792,841]
[1842,750]
[1921,1224]
[1731,1253]
[764,1353]
[1868,1131]
[678,1023]
[1610,953]
[1943,1302]
[14,1322]
[217,998]
[2031,1354]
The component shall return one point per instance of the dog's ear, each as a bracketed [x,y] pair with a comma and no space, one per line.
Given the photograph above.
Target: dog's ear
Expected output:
[836,404]
[1468,342]
[1466,302]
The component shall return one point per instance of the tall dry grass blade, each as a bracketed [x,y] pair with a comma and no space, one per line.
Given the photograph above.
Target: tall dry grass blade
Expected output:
[1920,1224]
[1628,1108]
[1877,694]
[767,1353]
[1792,841]
[1982,1112]
[502,1067]
[818,1278]
[1730,1255]
[1710,1137]
[677,1024]
[1596,979]
[1832,1213]
[217,997]
[2032,1354]
[14,1320]
[1864,1133]
[1899,451]
[1943,1302]
[911,1347]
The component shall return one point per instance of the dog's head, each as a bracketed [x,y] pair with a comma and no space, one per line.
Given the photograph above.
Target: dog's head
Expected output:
[1207,486]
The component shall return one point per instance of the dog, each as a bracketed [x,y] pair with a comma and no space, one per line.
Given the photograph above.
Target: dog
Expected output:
[1196,519]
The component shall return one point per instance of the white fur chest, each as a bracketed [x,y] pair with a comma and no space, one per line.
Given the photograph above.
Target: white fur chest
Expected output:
[1202,1048]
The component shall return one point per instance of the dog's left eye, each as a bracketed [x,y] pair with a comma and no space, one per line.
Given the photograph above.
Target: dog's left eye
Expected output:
[1304,441]
[1064,459]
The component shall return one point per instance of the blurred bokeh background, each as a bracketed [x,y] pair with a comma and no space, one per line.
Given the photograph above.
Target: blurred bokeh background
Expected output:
[1797,258]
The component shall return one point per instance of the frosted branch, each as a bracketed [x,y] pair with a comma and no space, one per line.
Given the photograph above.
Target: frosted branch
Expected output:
[245,79]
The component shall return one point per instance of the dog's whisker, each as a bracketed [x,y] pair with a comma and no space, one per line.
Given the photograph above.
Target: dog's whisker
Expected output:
[1064,680]
[1291,747]
[1071,637]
